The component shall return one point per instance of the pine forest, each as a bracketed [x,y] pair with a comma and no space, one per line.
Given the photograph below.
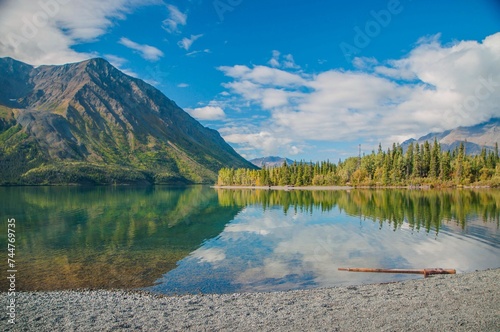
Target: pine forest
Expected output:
[420,165]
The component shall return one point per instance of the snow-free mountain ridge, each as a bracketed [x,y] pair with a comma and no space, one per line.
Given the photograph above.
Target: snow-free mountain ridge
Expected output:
[89,123]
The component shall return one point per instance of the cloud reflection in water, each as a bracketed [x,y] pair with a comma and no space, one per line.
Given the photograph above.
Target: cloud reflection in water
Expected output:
[270,247]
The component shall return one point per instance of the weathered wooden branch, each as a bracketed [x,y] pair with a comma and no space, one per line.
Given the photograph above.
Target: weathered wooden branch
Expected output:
[425,272]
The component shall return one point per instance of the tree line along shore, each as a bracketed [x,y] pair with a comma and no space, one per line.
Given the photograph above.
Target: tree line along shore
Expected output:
[420,165]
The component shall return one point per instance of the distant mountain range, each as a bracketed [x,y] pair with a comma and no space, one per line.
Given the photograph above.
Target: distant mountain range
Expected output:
[270,161]
[88,122]
[475,138]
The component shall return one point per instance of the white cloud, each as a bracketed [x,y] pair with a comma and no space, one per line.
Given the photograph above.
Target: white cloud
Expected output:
[182,85]
[186,43]
[267,141]
[434,88]
[115,60]
[274,62]
[147,52]
[273,98]
[43,32]
[263,75]
[289,62]
[174,20]
[198,52]
[119,62]
[207,113]
[364,63]
[285,61]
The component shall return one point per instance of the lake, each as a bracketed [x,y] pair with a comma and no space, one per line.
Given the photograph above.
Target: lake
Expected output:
[177,240]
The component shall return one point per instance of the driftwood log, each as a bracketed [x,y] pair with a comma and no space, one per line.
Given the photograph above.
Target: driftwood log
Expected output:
[425,272]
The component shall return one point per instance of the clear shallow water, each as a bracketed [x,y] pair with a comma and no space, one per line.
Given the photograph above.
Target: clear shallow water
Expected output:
[198,239]
[106,237]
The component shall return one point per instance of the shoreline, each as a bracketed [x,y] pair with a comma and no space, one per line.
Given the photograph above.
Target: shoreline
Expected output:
[462,302]
[288,188]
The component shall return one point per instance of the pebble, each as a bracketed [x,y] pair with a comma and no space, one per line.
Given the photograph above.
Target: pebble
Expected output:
[462,302]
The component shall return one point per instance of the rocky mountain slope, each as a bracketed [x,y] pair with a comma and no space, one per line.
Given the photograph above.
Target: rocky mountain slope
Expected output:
[483,135]
[270,161]
[89,123]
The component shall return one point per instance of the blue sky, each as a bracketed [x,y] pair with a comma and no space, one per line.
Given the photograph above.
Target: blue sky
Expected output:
[301,79]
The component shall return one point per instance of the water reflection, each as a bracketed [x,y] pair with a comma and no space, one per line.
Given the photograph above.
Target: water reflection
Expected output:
[427,209]
[297,239]
[197,239]
[106,237]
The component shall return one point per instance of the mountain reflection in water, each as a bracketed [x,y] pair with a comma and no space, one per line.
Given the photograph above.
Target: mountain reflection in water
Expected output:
[107,237]
[198,239]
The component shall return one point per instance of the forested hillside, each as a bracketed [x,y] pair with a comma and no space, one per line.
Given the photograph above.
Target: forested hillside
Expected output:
[421,164]
[89,123]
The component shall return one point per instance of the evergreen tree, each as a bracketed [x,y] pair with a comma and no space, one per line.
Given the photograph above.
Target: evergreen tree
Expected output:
[426,159]
[417,162]
[445,166]
[409,159]
[434,160]
[459,163]
[425,163]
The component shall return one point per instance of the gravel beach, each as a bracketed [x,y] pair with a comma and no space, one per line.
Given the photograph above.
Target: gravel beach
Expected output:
[463,302]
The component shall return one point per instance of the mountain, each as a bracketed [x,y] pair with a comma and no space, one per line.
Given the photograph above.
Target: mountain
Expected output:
[89,123]
[475,138]
[270,161]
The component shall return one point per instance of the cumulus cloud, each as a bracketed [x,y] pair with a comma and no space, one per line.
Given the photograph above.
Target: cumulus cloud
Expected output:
[433,88]
[274,62]
[285,61]
[207,113]
[263,75]
[186,43]
[266,140]
[364,63]
[43,32]
[147,52]
[175,19]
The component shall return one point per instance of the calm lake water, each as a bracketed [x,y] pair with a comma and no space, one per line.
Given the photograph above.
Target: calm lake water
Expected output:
[199,239]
